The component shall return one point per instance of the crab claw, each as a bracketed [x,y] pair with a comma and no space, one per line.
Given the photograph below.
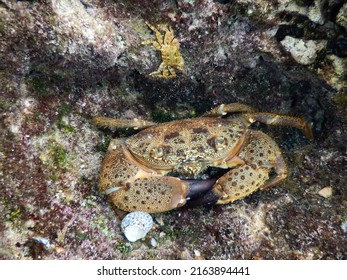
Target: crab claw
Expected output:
[197,188]
[209,197]
[200,192]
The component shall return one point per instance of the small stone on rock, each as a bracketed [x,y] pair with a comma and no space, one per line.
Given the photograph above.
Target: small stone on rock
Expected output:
[326,192]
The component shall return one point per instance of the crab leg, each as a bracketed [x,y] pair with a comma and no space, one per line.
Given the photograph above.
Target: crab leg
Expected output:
[251,115]
[172,72]
[168,37]
[224,109]
[158,36]
[158,72]
[154,43]
[165,72]
[121,123]
[276,119]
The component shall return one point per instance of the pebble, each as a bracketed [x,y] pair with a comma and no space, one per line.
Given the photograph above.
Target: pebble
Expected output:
[326,192]
[303,51]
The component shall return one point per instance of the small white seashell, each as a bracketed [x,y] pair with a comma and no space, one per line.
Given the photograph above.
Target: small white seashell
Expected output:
[136,225]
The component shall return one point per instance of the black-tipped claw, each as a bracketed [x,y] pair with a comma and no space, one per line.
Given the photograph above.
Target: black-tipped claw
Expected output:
[200,192]
[198,188]
[207,198]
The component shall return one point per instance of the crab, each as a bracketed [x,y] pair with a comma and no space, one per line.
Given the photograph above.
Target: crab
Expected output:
[170,53]
[136,172]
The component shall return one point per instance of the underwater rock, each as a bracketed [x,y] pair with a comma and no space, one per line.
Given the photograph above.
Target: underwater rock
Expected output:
[136,225]
[64,62]
[341,17]
[303,51]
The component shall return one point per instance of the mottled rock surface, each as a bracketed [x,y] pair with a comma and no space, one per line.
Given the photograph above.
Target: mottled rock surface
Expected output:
[63,62]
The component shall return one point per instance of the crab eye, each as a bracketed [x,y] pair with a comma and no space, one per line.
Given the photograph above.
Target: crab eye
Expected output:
[220,142]
[157,153]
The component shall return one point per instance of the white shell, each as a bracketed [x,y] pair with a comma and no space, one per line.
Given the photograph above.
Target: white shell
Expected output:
[136,225]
